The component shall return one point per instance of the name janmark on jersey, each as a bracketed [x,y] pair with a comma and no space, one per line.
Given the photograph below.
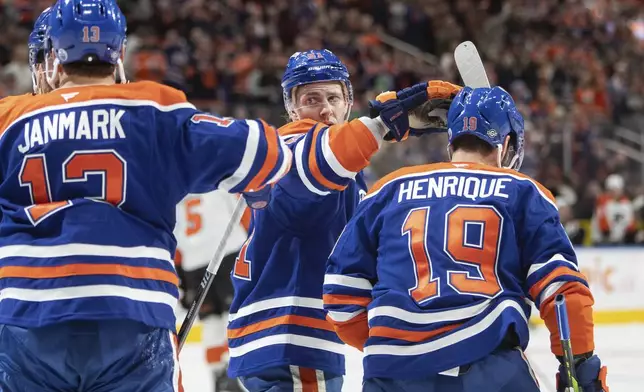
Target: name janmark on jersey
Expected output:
[98,124]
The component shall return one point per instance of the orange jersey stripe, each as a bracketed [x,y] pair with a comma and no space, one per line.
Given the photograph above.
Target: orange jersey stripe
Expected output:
[272,155]
[454,165]
[88,269]
[410,336]
[313,162]
[353,144]
[336,299]
[538,287]
[14,107]
[309,380]
[290,319]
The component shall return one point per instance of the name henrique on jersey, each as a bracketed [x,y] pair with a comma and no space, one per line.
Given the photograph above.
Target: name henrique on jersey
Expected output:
[440,261]
[89,181]
[277,316]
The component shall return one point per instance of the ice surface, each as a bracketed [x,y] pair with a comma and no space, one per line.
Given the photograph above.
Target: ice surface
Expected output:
[621,348]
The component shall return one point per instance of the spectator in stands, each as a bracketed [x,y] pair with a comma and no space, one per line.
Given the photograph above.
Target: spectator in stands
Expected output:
[573,67]
[614,218]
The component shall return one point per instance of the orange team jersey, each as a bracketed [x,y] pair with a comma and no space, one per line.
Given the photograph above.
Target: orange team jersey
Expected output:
[438,263]
[276,317]
[89,182]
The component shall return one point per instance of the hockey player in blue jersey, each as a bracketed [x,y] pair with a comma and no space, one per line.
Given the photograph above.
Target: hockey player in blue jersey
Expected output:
[279,339]
[90,176]
[432,275]
[35,47]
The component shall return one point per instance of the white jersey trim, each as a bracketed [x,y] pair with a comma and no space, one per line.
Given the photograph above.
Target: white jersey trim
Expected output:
[556,258]
[90,291]
[341,317]
[79,249]
[295,340]
[273,303]
[286,162]
[332,160]
[299,151]
[428,318]
[449,340]
[348,281]
[250,153]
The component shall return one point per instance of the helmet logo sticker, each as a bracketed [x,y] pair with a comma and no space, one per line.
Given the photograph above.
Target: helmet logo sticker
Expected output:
[492,133]
[62,55]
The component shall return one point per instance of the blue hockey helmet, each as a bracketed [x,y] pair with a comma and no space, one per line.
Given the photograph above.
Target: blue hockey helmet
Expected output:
[88,31]
[314,66]
[36,41]
[36,45]
[491,115]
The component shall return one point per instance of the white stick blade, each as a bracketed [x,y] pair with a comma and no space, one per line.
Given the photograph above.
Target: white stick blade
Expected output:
[470,66]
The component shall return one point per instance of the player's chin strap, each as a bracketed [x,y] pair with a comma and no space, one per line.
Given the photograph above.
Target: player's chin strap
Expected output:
[51,75]
[34,81]
[120,69]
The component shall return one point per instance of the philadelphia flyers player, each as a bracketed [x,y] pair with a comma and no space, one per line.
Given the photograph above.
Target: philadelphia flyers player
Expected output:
[90,177]
[278,336]
[201,220]
[430,277]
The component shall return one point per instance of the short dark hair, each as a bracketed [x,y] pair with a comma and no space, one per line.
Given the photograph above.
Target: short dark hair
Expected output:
[471,143]
[89,70]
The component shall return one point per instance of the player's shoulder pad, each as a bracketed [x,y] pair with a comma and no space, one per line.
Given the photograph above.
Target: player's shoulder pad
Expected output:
[157,92]
[12,107]
[402,174]
[297,127]
[13,101]
[525,180]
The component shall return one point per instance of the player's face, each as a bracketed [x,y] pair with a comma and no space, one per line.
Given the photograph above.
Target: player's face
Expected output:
[324,102]
[43,86]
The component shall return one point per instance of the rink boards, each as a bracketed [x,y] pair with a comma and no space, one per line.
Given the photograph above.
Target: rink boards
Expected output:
[616,278]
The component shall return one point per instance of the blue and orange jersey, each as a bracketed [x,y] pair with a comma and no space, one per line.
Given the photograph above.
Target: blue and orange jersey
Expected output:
[277,317]
[89,181]
[441,261]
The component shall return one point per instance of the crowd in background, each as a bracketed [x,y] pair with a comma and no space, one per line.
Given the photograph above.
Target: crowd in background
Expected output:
[572,66]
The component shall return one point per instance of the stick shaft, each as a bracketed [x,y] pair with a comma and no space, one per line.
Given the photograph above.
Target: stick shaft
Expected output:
[564,336]
[211,271]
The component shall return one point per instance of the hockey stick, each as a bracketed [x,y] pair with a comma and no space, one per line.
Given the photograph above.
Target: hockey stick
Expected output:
[472,71]
[470,66]
[211,271]
[564,336]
